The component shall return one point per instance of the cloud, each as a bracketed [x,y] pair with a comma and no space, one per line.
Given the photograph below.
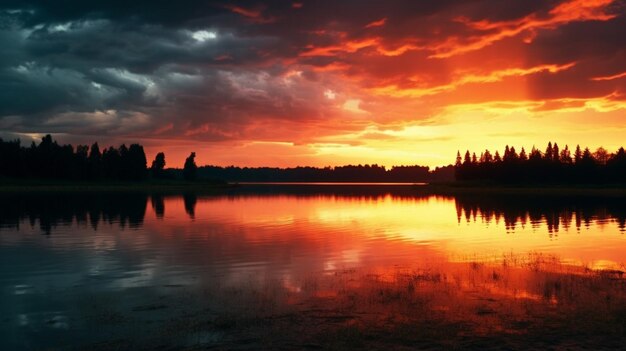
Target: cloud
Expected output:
[246,71]
[611,77]
[379,23]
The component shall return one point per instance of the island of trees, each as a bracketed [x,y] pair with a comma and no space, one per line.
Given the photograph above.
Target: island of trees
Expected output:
[553,166]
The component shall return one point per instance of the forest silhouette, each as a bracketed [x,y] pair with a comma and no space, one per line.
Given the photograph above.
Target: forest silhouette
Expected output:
[49,160]
[553,166]
[348,173]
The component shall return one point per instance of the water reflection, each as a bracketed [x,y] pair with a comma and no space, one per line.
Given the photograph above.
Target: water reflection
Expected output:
[129,209]
[555,212]
[329,226]
[158,205]
[52,210]
[212,268]
[190,200]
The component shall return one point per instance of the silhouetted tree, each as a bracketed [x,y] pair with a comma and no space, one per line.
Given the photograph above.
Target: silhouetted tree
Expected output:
[587,157]
[578,154]
[158,165]
[135,162]
[467,159]
[11,158]
[565,156]
[616,166]
[487,157]
[190,168]
[95,161]
[81,163]
[555,166]
[111,163]
[49,159]
[601,155]
[535,155]
[548,154]
[522,155]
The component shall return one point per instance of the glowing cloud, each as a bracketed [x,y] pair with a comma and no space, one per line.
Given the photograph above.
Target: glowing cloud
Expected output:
[320,83]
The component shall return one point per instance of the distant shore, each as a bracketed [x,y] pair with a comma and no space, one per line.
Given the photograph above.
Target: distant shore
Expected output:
[206,186]
[150,186]
[528,189]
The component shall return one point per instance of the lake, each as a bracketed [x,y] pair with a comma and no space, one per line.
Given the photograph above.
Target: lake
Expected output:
[311,266]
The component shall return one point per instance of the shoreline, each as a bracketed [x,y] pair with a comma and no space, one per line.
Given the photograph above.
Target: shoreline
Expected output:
[530,189]
[130,187]
[216,187]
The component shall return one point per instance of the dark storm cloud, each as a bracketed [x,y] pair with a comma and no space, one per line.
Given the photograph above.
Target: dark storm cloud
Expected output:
[163,12]
[217,70]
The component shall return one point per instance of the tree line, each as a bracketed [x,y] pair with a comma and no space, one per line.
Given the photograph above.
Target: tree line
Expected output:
[554,165]
[349,173]
[50,160]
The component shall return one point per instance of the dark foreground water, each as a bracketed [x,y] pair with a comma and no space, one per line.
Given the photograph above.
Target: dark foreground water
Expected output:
[311,267]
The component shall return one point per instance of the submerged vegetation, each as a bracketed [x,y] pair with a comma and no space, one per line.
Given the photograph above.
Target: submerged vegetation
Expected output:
[515,302]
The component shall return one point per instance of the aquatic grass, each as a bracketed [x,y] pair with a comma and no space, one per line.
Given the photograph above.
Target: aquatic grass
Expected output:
[516,302]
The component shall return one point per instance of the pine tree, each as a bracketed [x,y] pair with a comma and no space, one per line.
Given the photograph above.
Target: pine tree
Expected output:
[565,156]
[522,155]
[578,154]
[548,154]
[467,159]
[555,153]
[459,160]
[95,161]
[488,157]
[535,154]
[513,154]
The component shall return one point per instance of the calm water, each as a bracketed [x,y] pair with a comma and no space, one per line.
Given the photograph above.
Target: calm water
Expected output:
[83,269]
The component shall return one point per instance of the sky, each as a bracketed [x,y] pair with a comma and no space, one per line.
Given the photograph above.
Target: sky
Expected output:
[315,82]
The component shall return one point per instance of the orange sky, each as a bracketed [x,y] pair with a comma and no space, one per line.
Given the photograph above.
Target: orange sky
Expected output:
[321,83]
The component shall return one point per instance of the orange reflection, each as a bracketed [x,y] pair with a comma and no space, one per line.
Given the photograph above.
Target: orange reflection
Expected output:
[379,266]
[357,231]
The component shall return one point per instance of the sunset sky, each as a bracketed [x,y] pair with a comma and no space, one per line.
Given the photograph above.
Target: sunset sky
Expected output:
[314,82]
